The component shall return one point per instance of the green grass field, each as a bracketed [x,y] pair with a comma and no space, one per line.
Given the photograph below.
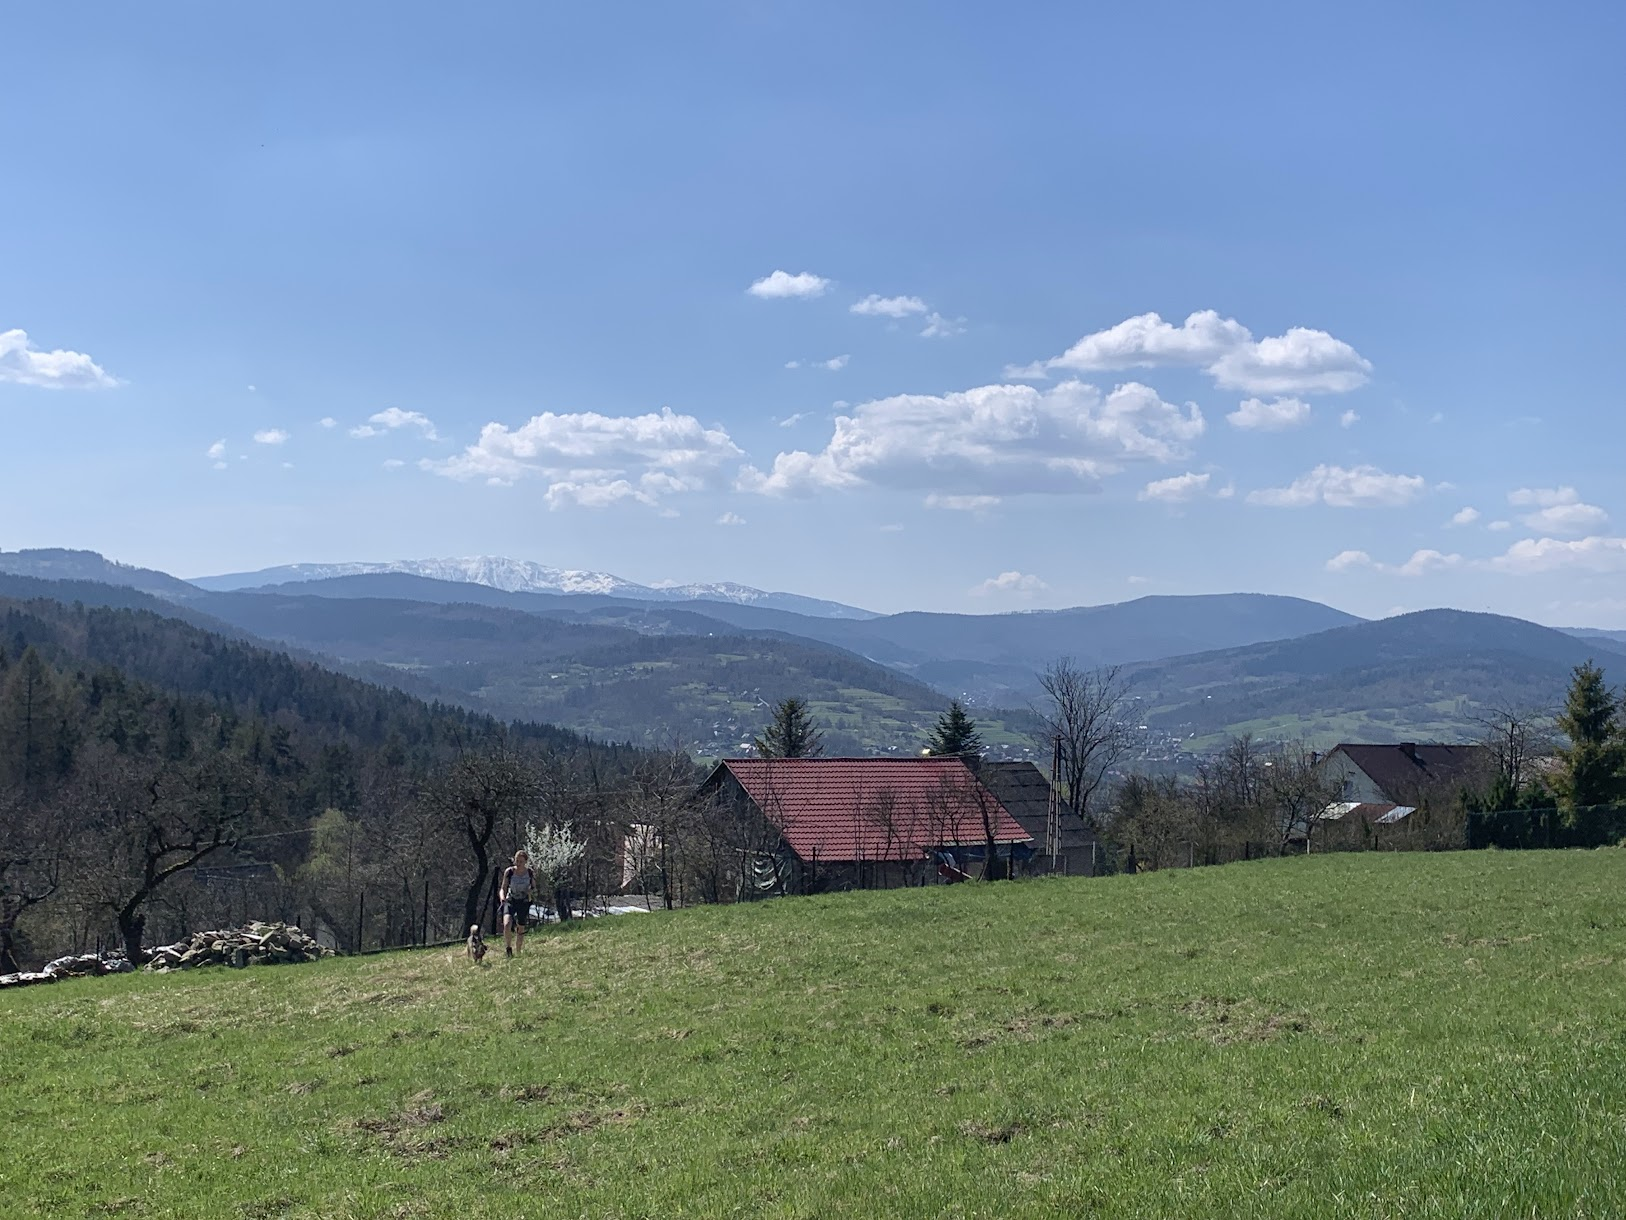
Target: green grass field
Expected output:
[1362,1035]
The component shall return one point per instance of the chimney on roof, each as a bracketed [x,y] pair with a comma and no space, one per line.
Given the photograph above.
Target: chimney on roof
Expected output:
[1409,749]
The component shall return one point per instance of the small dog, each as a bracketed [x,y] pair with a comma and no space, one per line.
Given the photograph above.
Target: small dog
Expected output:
[477,944]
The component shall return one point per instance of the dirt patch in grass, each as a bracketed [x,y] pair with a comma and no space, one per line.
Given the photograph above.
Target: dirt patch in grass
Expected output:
[1225,1021]
[991,1133]
[1019,1029]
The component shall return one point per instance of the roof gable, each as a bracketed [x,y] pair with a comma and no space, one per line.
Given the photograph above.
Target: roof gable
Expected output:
[872,808]
[1400,770]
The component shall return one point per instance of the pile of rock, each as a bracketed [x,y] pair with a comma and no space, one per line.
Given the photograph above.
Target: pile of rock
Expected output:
[259,944]
[78,965]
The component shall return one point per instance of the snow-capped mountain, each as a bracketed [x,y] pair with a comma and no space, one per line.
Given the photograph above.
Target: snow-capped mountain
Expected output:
[523,576]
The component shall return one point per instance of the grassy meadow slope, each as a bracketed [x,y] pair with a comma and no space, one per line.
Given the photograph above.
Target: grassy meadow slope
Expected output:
[1357,1035]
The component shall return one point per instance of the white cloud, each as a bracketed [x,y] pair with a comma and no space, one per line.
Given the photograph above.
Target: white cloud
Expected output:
[835,364]
[217,450]
[327,421]
[990,441]
[790,421]
[1421,563]
[24,364]
[939,327]
[782,285]
[1010,582]
[877,306]
[731,519]
[1359,487]
[1464,516]
[1499,526]
[1559,510]
[595,460]
[1140,580]
[962,504]
[1349,418]
[270,436]
[793,364]
[1175,490]
[1300,361]
[392,418]
[393,463]
[1275,416]
[1531,555]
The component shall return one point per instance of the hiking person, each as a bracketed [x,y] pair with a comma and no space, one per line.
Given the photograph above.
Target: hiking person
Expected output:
[517,882]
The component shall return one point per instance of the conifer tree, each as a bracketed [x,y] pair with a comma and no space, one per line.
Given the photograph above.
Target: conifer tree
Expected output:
[955,733]
[791,733]
[1594,761]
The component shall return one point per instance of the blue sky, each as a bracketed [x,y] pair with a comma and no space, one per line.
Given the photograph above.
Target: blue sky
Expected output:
[933,306]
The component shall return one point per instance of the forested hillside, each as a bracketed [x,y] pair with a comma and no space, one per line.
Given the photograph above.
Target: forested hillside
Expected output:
[657,683]
[155,778]
[1431,675]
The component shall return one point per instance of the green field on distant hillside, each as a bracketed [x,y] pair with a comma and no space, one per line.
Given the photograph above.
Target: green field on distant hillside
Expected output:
[1370,1035]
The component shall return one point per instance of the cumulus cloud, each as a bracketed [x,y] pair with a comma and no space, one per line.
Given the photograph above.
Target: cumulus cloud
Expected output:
[594,460]
[24,364]
[1464,516]
[1421,563]
[1300,361]
[1275,416]
[1499,526]
[1358,487]
[877,306]
[270,436]
[1349,418]
[991,441]
[1594,554]
[1175,490]
[392,418]
[835,364]
[393,463]
[1558,510]
[939,327]
[327,421]
[731,519]
[782,285]
[217,450]
[1010,582]
[962,504]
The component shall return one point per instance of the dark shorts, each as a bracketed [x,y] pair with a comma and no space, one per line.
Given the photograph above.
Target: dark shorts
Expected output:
[518,911]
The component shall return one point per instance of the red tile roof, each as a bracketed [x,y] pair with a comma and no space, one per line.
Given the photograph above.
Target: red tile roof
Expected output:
[871,808]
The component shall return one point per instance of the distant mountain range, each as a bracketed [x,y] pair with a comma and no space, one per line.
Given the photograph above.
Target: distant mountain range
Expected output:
[1430,675]
[522,576]
[653,664]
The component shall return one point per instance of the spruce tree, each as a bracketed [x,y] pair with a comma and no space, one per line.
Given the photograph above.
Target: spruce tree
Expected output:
[1593,760]
[955,733]
[790,734]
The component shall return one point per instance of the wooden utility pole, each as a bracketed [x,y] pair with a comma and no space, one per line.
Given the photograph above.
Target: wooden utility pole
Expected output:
[1052,827]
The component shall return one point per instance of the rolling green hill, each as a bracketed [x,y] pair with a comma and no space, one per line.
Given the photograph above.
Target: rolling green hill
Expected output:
[1431,675]
[1377,1035]
[712,692]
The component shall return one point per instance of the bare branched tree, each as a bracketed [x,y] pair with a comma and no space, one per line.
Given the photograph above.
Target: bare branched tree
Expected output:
[32,854]
[1085,709]
[1516,737]
[476,794]
[1297,790]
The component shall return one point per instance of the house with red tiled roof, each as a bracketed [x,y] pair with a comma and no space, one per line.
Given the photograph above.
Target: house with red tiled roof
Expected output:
[848,823]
